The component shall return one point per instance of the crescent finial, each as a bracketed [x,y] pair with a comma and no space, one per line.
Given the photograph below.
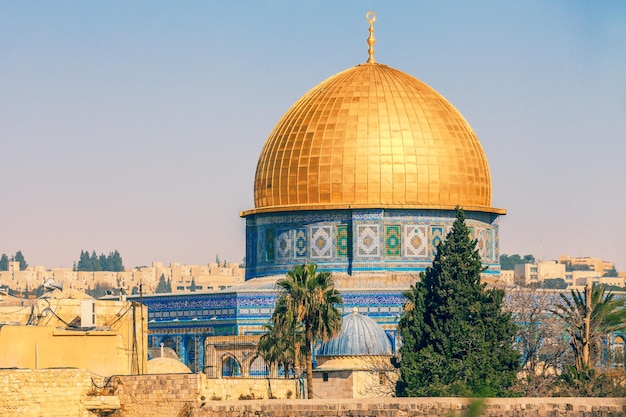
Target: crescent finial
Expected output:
[371,40]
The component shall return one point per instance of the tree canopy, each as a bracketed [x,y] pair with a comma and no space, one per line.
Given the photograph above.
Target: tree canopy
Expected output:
[111,262]
[589,316]
[456,338]
[162,286]
[308,298]
[508,262]
[18,257]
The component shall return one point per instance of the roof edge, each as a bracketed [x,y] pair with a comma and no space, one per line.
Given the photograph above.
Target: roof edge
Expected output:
[343,206]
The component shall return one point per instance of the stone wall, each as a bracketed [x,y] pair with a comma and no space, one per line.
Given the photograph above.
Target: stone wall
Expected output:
[338,384]
[50,393]
[417,407]
[78,393]
[180,394]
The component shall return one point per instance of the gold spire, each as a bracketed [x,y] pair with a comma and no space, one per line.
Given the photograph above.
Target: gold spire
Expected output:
[371,40]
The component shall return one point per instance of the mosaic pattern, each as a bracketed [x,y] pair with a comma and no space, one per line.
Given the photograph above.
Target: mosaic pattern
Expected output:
[481,241]
[269,244]
[343,241]
[368,241]
[490,254]
[260,245]
[284,245]
[300,245]
[393,241]
[321,242]
[436,237]
[415,241]
[371,240]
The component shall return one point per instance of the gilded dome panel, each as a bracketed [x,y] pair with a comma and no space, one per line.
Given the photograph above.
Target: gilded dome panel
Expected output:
[372,136]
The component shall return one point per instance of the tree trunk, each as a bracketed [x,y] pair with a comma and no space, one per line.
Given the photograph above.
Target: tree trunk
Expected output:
[309,362]
[587,325]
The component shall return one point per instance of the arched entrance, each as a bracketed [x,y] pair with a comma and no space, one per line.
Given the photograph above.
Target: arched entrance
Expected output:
[231,367]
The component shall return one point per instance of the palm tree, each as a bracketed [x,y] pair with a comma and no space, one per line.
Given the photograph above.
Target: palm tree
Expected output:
[589,316]
[281,344]
[311,298]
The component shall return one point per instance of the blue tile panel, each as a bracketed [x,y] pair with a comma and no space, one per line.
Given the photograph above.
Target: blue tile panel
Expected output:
[359,241]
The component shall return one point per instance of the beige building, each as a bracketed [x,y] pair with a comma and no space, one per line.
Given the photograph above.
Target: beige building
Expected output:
[528,274]
[205,277]
[70,329]
[594,264]
[507,276]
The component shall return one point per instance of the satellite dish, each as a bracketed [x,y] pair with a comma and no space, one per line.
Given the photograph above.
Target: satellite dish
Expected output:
[51,285]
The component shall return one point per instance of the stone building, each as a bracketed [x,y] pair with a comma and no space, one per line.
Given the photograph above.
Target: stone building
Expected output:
[183,278]
[70,329]
[356,363]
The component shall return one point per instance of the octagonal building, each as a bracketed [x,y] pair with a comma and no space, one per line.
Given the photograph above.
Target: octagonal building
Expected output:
[362,175]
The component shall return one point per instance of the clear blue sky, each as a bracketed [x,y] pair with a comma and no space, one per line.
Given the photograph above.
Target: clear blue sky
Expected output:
[136,125]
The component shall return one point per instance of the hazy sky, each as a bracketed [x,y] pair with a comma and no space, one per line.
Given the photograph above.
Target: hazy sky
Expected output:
[137,125]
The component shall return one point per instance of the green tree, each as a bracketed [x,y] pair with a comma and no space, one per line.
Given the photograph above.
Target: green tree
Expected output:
[4,262]
[193,287]
[84,262]
[115,262]
[508,262]
[311,297]
[283,341]
[162,285]
[589,316]
[610,272]
[111,262]
[20,258]
[101,289]
[456,338]
[103,261]
[95,262]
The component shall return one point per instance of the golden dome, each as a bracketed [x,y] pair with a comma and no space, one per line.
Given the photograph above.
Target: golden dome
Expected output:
[372,137]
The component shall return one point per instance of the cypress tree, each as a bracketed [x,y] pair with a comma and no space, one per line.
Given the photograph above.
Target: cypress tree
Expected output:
[456,339]
[4,262]
[95,262]
[162,285]
[20,258]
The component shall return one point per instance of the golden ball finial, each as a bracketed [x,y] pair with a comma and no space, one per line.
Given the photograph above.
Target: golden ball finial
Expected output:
[371,40]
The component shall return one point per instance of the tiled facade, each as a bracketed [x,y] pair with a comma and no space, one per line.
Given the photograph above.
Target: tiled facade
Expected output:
[360,241]
[183,321]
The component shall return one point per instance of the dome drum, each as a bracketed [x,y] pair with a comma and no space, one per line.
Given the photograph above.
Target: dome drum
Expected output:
[360,242]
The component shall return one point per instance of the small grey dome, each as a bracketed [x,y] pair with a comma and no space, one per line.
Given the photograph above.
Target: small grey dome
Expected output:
[359,336]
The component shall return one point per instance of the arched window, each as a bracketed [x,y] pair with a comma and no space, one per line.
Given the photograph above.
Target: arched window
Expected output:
[230,367]
[169,342]
[258,368]
[190,349]
[618,352]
